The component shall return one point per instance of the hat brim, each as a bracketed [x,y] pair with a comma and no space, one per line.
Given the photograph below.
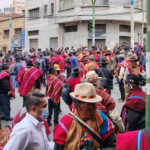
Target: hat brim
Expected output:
[107,54]
[57,69]
[76,72]
[91,80]
[134,60]
[53,70]
[103,62]
[92,100]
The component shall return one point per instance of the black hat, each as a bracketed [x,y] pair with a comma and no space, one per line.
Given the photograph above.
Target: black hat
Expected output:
[107,54]
[51,69]
[37,64]
[133,79]
[103,61]
[67,48]
[29,63]
[133,59]
[76,70]
[18,58]
[5,66]
[39,49]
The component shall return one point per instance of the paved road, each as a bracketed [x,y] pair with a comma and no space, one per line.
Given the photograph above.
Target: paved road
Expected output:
[16,105]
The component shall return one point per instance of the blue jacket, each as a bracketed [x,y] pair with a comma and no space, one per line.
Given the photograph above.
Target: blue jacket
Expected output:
[74,62]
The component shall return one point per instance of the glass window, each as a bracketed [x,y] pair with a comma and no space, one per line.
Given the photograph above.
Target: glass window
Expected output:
[66,4]
[18,32]
[124,28]
[71,28]
[35,32]
[6,33]
[52,8]
[45,9]
[34,13]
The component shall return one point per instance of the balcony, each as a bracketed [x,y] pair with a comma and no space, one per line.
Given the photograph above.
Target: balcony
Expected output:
[98,3]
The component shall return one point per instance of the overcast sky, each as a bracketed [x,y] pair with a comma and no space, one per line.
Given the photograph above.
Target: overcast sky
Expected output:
[5,3]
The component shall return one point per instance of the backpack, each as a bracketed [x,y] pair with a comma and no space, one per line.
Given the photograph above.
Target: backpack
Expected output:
[12,69]
[65,93]
[40,61]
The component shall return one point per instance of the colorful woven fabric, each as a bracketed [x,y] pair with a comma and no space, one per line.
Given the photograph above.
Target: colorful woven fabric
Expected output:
[131,86]
[85,97]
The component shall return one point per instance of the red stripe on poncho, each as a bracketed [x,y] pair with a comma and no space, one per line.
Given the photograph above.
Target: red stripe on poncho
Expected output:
[28,80]
[54,88]
[5,74]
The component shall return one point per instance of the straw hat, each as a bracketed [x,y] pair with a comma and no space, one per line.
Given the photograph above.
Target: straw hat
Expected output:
[85,92]
[85,53]
[91,76]
[56,66]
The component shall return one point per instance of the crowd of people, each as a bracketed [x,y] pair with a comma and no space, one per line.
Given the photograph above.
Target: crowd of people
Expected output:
[84,79]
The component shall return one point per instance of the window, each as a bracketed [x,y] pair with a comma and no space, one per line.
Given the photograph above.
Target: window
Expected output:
[35,32]
[18,32]
[99,28]
[52,8]
[45,10]
[54,43]
[124,28]
[124,39]
[6,33]
[66,4]
[34,13]
[71,28]
[145,31]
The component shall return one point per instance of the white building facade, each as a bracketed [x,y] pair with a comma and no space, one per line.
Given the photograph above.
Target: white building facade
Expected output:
[65,23]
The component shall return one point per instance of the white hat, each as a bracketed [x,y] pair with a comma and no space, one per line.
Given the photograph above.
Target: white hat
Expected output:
[85,92]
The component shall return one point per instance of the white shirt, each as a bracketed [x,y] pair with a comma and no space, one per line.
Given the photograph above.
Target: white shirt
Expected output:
[29,134]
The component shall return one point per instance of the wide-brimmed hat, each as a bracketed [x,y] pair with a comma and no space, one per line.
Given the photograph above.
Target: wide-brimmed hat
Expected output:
[85,53]
[85,92]
[29,63]
[76,70]
[91,57]
[133,79]
[121,56]
[133,59]
[57,66]
[122,51]
[51,69]
[107,53]
[91,76]
[5,66]
[130,54]
[84,60]
[37,64]
[103,61]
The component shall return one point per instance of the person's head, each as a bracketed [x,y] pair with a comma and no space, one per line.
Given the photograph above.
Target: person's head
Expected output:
[57,68]
[33,50]
[91,58]
[18,59]
[72,48]
[132,50]
[1,54]
[133,61]
[121,58]
[36,102]
[52,70]
[29,64]
[103,50]
[132,81]
[36,65]
[116,44]
[76,71]
[85,99]
[5,68]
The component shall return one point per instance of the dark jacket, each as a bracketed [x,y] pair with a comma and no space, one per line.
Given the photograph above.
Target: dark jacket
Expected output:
[105,72]
[4,85]
[136,120]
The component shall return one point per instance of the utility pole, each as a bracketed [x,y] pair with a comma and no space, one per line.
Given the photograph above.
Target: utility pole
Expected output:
[93,23]
[148,67]
[10,26]
[142,22]
[132,24]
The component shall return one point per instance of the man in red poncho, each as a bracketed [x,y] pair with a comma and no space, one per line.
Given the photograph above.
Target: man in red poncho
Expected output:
[6,92]
[28,79]
[53,92]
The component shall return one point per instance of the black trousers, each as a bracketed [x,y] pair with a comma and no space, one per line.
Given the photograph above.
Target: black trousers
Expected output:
[122,90]
[43,79]
[68,72]
[56,107]
[24,101]
[5,105]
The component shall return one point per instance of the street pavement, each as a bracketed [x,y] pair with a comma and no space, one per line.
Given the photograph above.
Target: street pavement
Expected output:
[17,103]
